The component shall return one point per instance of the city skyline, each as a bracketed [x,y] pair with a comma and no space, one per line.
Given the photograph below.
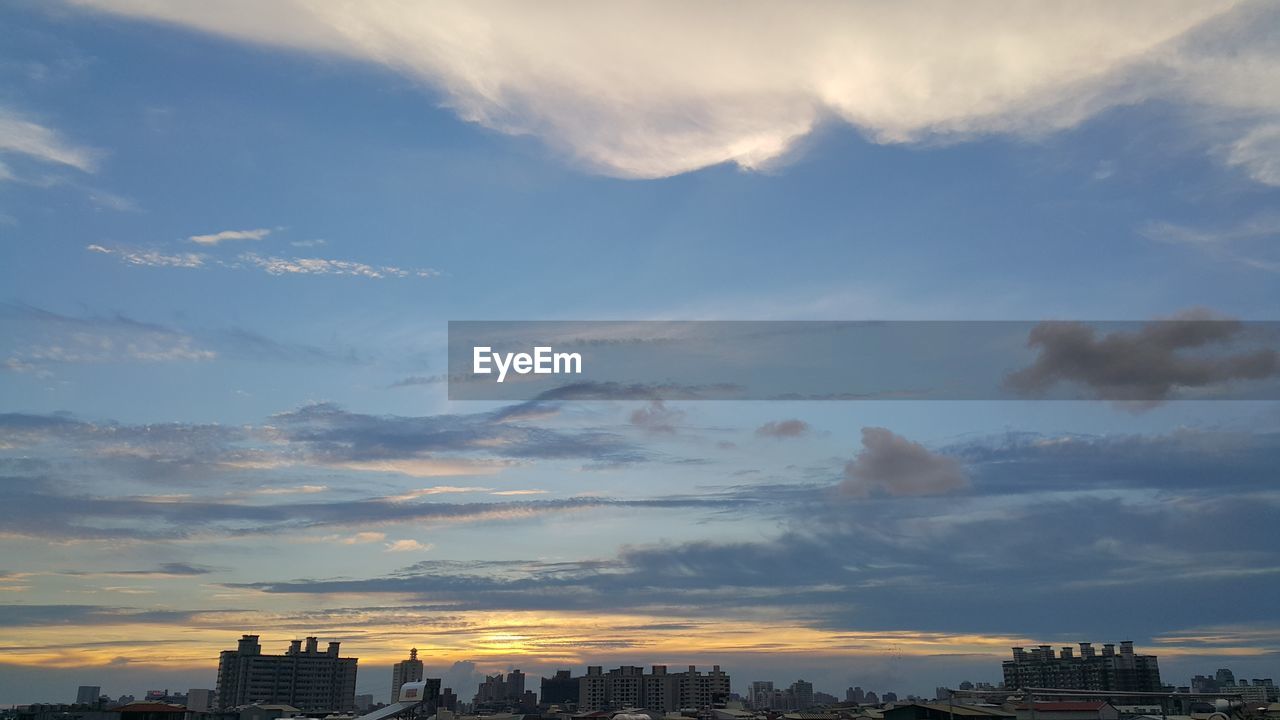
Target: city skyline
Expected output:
[233,234]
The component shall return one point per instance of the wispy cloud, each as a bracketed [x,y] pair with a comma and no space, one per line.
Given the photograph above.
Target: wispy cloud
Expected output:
[152,258]
[225,235]
[39,339]
[322,266]
[1253,242]
[21,136]
[270,265]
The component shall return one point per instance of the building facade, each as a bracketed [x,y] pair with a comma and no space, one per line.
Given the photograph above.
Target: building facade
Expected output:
[1123,671]
[307,678]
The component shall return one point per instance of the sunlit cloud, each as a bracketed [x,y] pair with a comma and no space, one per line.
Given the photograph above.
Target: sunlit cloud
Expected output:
[225,235]
[744,82]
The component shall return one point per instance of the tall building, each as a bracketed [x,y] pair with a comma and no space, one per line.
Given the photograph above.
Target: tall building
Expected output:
[405,671]
[802,692]
[88,694]
[760,694]
[1122,671]
[306,678]
[659,691]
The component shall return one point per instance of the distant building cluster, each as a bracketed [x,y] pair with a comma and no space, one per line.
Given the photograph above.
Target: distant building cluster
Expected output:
[1224,681]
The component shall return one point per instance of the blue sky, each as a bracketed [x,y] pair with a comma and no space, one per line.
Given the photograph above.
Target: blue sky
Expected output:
[229,235]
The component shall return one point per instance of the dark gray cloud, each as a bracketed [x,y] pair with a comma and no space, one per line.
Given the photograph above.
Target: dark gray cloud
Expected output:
[893,465]
[35,615]
[920,566]
[1150,364]
[335,435]
[783,429]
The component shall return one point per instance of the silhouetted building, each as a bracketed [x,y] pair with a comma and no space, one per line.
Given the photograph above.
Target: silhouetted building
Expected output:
[559,689]
[307,678]
[88,694]
[449,700]
[405,671]
[1122,671]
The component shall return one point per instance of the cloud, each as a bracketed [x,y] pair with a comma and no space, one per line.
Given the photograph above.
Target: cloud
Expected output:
[408,545]
[23,137]
[415,380]
[269,265]
[215,238]
[39,340]
[1258,152]
[1252,242]
[152,258]
[1146,365]
[656,417]
[783,429]
[893,465]
[322,266]
[638,89]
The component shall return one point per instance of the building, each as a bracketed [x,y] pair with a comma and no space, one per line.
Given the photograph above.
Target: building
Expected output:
[405,671]
[1077,710]
[945,711]
[151,711]
[200,700]
[364,703]
[308,679]
[657,691]
[560,689]
[449,700]
[802,694]
[88,694]
[499,692]
[1123,671]
[760,694]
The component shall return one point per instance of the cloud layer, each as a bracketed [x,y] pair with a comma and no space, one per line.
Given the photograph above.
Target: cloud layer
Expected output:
[642,89]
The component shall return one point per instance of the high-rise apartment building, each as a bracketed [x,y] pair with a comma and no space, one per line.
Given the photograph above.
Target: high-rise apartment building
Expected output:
[405,671]
[659,691]
[1122,671]
[307,678]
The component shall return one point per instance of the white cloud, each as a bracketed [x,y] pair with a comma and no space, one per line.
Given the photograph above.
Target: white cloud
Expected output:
[152,258]
[215,238]
[23,137]
[649,89]
[406,546]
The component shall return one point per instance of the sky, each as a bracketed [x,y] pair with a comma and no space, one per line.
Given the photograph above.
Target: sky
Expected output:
[232,235]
